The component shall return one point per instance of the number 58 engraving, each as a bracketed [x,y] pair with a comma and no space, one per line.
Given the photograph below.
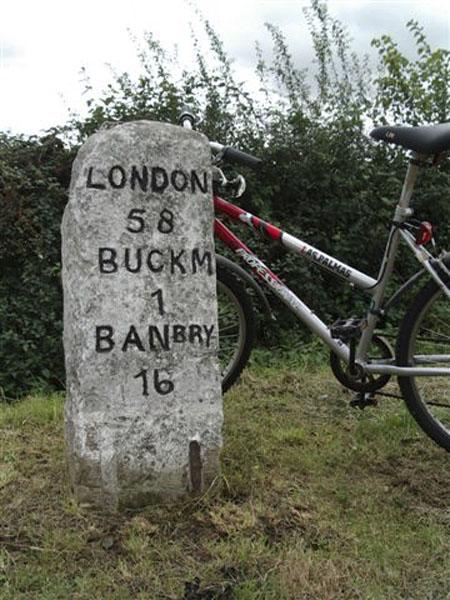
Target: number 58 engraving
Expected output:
[137,224]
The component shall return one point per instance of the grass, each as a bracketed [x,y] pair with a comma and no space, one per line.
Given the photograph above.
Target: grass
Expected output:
[316,501]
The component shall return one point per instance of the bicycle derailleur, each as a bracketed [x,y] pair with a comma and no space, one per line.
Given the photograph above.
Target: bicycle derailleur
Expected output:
[351,375]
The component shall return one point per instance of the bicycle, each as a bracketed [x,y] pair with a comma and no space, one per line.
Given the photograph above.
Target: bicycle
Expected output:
[419,358]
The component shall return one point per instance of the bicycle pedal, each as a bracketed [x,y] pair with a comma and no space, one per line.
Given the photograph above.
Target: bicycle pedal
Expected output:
[346,329]
[363,400]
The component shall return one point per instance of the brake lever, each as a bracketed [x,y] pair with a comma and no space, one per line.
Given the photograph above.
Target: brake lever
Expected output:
[239,184]
[219,176]
[236,187]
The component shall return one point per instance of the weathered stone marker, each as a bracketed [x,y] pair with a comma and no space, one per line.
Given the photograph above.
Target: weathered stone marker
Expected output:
[143,408]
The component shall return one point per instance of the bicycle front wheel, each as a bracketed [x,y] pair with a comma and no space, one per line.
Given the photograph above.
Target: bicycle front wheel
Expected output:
[424,339]
[236,327]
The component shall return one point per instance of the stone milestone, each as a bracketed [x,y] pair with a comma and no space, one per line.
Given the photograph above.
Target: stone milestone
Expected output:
[143,410]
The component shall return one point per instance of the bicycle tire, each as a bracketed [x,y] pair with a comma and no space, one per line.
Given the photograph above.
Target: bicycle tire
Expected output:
[427,397]
[235,310]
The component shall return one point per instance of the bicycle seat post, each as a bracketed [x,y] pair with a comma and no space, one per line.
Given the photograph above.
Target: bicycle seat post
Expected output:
[402,213]
[409,182]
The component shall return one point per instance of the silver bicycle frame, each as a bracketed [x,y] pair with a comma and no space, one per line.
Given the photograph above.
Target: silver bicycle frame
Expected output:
[375,287]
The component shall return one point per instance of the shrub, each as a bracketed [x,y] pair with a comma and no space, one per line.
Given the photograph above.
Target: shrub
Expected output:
[34,175]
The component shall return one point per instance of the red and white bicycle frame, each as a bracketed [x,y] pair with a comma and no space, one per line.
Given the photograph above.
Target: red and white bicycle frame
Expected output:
[374,287]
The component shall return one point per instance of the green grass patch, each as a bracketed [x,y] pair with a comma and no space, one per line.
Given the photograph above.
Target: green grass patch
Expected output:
[316,500]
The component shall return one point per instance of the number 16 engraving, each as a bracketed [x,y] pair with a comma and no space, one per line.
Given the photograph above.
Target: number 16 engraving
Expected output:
[162,386]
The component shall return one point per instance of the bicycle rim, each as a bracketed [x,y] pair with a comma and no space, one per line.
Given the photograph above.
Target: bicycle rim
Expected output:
[232,329]
[429,345]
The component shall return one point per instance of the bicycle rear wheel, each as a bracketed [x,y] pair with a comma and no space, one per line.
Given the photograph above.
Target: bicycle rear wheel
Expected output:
[236,327]
[424,338]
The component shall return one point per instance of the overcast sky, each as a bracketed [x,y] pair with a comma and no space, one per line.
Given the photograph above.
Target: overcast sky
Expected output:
[44,43]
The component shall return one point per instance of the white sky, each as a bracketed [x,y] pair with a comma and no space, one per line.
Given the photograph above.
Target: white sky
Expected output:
[44,43]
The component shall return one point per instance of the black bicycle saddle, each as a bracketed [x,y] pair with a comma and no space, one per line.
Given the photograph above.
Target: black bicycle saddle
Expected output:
[429,139]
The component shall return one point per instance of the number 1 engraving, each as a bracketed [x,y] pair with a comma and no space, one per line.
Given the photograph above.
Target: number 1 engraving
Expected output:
[159,296]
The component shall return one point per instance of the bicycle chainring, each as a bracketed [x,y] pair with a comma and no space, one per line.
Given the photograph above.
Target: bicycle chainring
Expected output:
[360,381]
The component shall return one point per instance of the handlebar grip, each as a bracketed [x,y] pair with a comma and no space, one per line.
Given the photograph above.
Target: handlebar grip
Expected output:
[232,155]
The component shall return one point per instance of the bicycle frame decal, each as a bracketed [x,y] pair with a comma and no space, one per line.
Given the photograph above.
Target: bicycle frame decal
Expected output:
[238,214]
[328,262]
[294,244]
[281,290]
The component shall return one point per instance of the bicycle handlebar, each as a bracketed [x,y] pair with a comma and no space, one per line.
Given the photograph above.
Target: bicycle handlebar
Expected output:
[241,158]
[233,155]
